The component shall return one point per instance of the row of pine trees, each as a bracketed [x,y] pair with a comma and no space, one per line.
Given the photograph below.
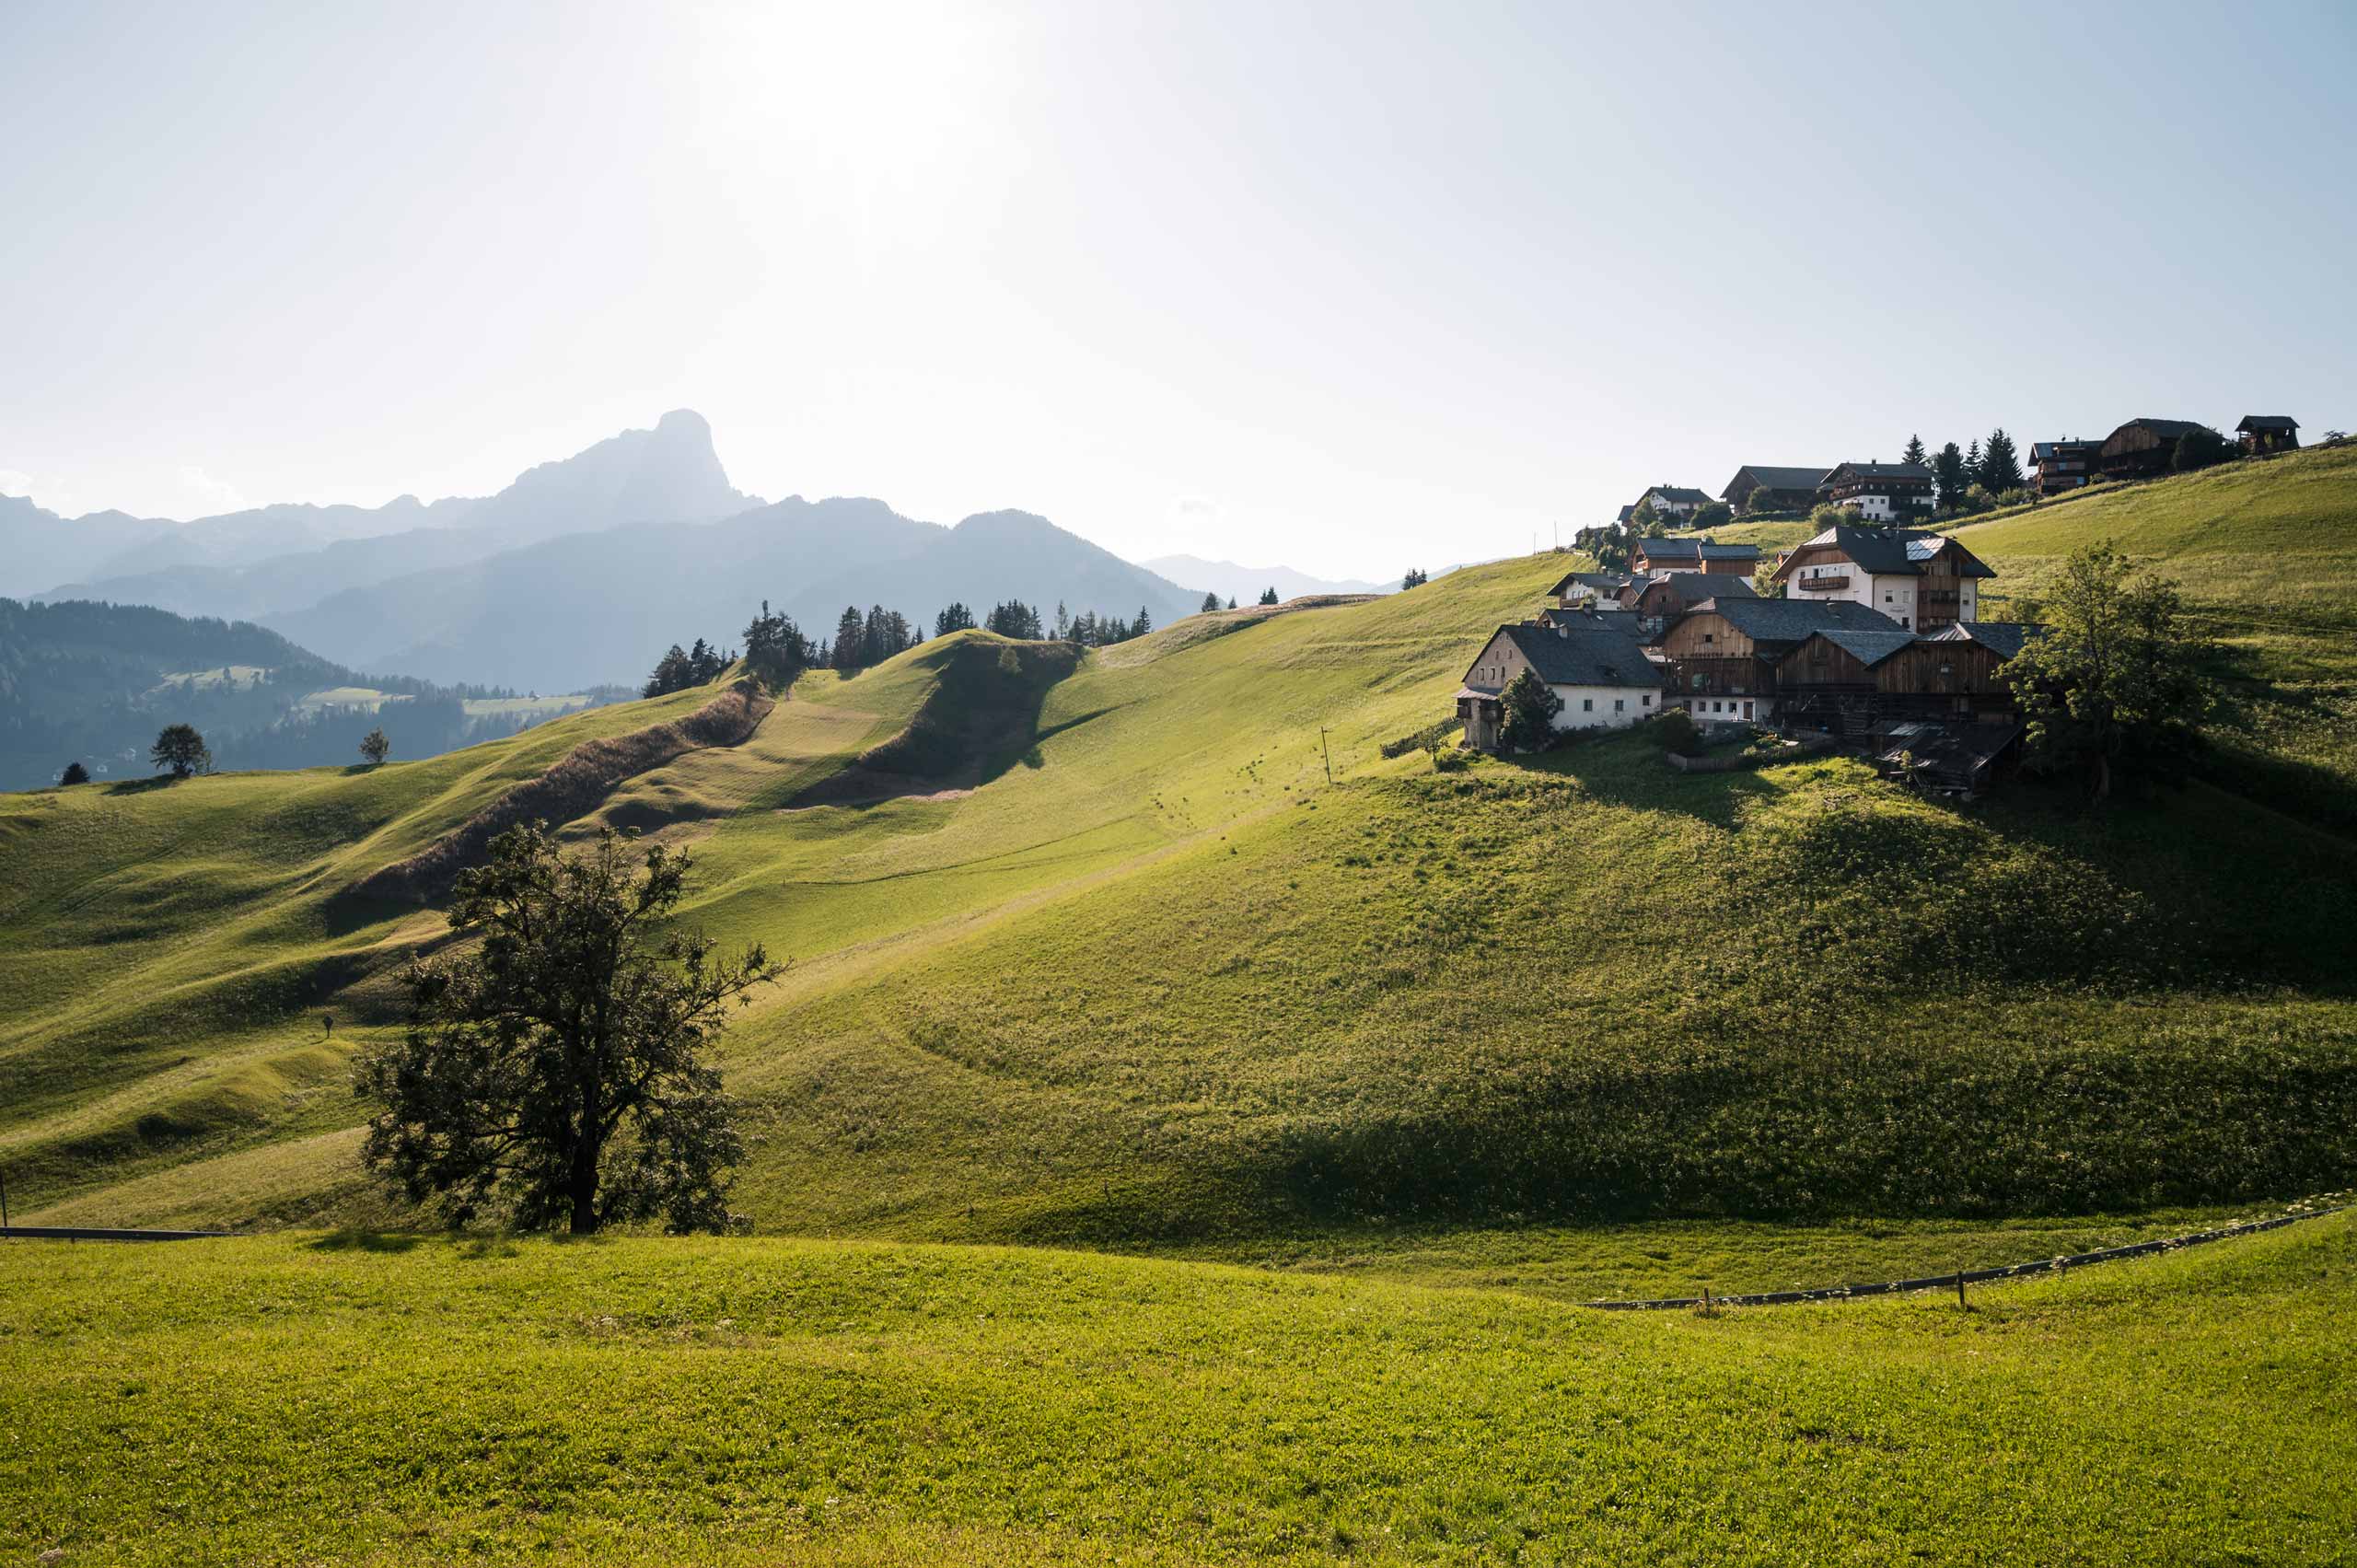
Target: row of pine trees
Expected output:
[778,650]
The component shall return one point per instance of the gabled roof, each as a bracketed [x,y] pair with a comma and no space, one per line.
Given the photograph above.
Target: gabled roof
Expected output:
[1683,548]
[1598,580]
[2164,427]
[1715,551]
[1790,619]
[1868,646]
[1887,553]
[2004,638]
[1624,515]
[1678,493]
[1693,588]
[2266,423]
[1878,470]
[1767,477]
[1570,653]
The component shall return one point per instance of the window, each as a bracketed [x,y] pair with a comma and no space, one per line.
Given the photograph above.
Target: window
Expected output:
[1619,704]
[1708,637]
[1587,704]
[1647,699]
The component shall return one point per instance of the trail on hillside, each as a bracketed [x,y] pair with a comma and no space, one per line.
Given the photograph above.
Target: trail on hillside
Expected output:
[573,786]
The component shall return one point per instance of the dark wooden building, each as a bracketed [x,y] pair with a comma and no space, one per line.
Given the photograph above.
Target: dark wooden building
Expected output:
[1847,681]
[1660,600]
[2269,432]
[1689,553]
[2142,448]
[1722,654]
[2058,466]
[1881,493]
[1765,487]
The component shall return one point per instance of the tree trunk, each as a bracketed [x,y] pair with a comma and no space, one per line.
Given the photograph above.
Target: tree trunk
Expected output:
[583,1185]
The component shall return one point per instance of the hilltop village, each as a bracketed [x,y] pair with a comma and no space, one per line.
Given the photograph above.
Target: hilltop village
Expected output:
[1867,633]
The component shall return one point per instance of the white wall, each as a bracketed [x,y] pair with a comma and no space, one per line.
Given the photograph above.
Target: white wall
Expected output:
[1591,707]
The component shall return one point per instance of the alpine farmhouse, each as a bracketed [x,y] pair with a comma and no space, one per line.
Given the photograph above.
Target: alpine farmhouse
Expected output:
[1596,669]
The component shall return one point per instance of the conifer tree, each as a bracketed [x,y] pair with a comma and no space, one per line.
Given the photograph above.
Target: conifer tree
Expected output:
[1949,469]
[1143,624]
[1914,452]
[851,633]
[1268,596]
[2001,467]
[1211,602]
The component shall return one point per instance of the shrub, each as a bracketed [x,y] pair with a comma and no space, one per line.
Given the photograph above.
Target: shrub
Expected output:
[1530,709]
[1676,730]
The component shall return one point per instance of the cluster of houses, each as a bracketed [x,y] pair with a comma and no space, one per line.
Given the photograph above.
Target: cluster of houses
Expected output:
[1876,640]
[2142,448]
[1884,492]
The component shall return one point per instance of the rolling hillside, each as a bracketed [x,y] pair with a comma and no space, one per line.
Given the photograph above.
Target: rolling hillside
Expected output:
[1122,967]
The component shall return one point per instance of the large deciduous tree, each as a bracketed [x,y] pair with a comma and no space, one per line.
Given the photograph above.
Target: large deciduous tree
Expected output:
[554,1072]
[181,749]
[375,747]
[2115,681]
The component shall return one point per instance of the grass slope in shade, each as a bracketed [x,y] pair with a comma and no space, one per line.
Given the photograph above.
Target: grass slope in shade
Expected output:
[1140,974]
[375,1401]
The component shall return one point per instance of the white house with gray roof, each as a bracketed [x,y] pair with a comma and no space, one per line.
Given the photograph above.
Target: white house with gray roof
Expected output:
[1593,664]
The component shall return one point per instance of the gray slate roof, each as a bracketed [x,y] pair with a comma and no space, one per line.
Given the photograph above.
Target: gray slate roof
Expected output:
[1869,647]
[2005,638]
[1772,478]
[1604,581]
[1788,621]
[1893,552]
[2261,424]
[1679,494]
[1574,655]
[1882,470]
[1693,588]
[1670,547]
[1715,552]
[2159,427]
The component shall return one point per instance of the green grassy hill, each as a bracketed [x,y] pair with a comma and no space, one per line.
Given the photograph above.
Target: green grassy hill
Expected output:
[1098,954]
[369,1400]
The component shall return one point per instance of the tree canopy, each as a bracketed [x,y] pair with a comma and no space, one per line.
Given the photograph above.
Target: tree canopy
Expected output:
[375,747]
[2115,680]
[181,749]
[553,1072]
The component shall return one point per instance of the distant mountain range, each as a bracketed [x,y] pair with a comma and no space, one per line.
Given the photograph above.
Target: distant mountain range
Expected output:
[1245,583]
[583,571]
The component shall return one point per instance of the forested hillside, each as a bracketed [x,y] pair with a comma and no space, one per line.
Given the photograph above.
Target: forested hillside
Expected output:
[94,683]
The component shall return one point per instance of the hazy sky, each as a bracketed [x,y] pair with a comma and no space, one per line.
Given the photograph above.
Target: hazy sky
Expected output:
[1353,287]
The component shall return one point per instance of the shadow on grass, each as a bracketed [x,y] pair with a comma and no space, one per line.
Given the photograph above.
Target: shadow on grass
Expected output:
[357,1239]
[141,786]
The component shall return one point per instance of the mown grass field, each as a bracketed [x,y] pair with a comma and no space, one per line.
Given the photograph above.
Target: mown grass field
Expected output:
[363,1399]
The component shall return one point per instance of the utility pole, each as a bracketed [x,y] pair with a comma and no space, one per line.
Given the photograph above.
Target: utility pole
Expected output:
[1327,754]
[4,1202]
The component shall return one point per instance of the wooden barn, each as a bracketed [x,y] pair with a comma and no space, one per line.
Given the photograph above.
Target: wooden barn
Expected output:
[1770,487]
[1846,681]
[1659,600]
[2142,448]
[1722,654]
[2269,432]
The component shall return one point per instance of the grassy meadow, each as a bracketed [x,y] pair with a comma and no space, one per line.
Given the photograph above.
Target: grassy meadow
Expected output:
[375,1399]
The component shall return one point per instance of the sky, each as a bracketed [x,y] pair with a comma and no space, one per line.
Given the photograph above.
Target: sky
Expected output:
[1353,286]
